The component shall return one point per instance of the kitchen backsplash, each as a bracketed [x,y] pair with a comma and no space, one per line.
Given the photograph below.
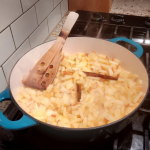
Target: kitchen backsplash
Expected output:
[25,24]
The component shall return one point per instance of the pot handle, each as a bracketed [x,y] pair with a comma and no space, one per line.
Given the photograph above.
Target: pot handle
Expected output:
[24,122]
[139,50]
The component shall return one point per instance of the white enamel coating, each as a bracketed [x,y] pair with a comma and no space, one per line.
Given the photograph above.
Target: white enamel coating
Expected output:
[79,44]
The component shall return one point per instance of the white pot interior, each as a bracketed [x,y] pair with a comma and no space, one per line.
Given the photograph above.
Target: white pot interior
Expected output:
[79,44]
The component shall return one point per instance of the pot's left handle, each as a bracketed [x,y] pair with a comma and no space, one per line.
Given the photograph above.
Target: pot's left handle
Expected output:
[24,122]
[139,50]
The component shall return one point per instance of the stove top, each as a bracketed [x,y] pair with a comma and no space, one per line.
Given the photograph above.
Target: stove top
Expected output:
[136,135]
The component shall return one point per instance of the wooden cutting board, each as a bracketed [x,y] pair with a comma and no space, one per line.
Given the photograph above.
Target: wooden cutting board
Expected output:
[90,5]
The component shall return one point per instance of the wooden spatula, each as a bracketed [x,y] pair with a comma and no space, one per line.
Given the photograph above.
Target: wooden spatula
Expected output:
[44,72]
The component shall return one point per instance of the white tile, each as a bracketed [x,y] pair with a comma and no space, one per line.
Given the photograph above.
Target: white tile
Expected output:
[9,64]
[43,8]
[54,18]
[56,2]
[26,4]
[24,26]
[9,11]
[7,46]
[39,35]
[3,84]
[64,7]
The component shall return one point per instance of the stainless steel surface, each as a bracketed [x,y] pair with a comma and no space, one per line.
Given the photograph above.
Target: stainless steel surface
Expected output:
[4,105]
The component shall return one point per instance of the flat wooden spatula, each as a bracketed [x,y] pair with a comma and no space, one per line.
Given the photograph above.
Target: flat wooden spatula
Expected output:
[44,72]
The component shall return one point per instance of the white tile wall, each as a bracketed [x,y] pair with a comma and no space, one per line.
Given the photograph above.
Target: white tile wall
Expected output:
[3,84]
[9,11]
[26,4]
[54,18]
[64,7]
[39,35]
[6,45]
[56,2]
[25,24]
[43,8]
[8,65]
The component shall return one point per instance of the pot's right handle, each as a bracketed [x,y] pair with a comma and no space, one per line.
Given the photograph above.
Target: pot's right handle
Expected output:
[139,50]
[24,122]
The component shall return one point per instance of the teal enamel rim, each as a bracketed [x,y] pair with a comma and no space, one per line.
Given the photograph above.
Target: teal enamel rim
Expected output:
[139,50]
[24,122]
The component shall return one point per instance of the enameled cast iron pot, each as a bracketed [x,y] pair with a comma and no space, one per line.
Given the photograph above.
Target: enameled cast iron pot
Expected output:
[129,61]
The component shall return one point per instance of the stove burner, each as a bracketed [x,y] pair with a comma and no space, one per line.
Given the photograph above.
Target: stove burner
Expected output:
[96,16]
[118,18]
[147,22]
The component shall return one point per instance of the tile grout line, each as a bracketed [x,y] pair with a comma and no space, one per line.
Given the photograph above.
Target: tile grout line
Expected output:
[48,25]
[31,7]
[60,8]
[14,52]
[53,3]
[17,18]
[11,23]
[28,39]
[47,17]
[21,6]
[9,26]
[58,4]
[5,76]
[52,10]
[36,15]
[13,38]
[29,42]
[23,14]
[21,43]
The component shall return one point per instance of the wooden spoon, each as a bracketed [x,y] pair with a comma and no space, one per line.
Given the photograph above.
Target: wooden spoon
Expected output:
[44,72]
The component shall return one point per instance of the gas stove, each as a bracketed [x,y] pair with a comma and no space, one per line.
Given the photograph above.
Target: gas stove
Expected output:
[136,135]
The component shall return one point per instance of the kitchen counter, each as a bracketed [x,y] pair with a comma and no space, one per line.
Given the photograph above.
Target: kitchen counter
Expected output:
[131,7]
